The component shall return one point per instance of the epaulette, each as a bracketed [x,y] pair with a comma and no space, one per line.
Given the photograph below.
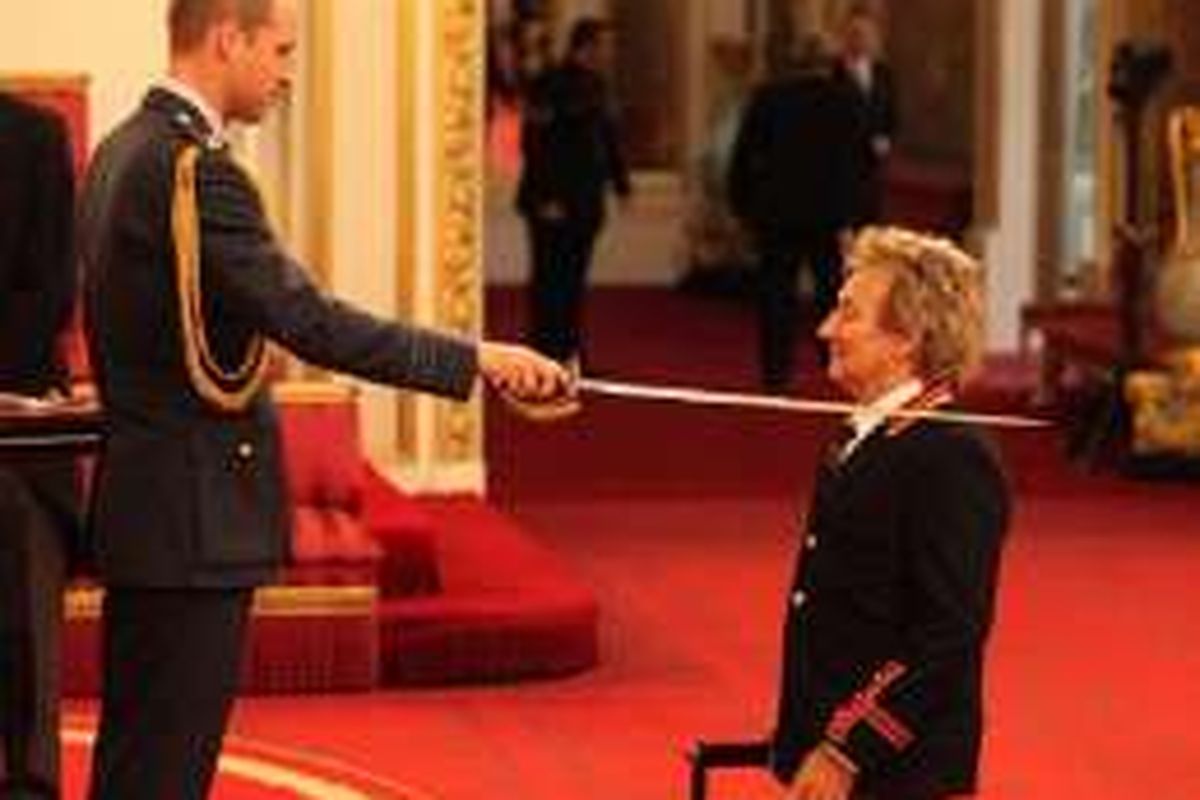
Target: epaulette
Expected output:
[189,125]
[226,390]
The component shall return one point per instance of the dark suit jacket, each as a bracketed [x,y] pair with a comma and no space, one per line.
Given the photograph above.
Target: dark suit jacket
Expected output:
[879,115]
[188,494]
[37,273]
[570,148]
[37,284]
[891,606]
[790,175]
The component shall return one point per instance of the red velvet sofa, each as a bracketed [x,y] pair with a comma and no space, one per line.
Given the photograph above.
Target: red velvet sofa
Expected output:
[385,588]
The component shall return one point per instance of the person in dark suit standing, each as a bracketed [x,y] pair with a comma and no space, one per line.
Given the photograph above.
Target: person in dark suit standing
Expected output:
[790,183]
[894,588]
[873,86]
[571,159]
[39,526]
[184,284]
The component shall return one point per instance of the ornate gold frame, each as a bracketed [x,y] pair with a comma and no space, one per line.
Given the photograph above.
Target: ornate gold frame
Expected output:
[459,202]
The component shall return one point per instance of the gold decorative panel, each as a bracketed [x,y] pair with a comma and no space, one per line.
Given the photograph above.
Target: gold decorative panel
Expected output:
[459,203]
[407,203]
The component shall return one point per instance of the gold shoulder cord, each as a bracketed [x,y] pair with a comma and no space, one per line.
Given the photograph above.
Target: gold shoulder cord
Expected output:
[229,391]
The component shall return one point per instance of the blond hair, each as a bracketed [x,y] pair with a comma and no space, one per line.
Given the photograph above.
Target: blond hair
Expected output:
[935,297]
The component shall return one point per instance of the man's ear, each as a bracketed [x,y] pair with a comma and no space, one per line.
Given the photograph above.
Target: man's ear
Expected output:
[907,348]
[227,38]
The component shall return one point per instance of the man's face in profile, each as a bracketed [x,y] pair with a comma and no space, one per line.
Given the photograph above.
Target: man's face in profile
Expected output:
[260,62]
[865,356]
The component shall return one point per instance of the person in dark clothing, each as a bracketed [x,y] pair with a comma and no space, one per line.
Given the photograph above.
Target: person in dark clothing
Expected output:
[873,87]
[571,158]
[891,604]
[40,535]
[184,284]
[791,183]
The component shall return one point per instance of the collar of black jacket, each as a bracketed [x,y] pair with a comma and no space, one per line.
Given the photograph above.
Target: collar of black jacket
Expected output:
[184,115]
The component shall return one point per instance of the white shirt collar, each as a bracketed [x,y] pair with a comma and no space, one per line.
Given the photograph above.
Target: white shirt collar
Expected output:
[185,91]
[860,68]
[869,417]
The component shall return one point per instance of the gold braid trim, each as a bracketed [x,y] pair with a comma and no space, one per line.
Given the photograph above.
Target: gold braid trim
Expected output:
[227,391]
[316,600]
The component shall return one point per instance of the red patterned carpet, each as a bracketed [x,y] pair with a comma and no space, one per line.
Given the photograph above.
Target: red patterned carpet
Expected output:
[683,522]
[253,770]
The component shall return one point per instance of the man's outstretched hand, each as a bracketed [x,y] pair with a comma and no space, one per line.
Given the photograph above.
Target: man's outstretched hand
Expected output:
[535,386]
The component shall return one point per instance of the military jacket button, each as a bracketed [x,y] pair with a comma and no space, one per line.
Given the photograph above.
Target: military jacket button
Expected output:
[799,598]
[245,451]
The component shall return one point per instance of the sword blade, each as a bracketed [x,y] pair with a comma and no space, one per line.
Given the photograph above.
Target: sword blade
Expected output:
[796,405]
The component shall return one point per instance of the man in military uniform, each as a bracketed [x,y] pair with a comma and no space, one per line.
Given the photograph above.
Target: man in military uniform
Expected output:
[38,515]
[184,284]
[894,588]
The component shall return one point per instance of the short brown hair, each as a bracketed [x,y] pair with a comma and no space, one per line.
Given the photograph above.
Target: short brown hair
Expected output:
[189,20]
[936,297]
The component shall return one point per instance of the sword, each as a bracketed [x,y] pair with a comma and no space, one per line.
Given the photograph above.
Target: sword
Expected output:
[708,397]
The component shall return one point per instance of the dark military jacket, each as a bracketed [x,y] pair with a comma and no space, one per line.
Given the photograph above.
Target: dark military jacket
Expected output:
[184,281]
[890,609]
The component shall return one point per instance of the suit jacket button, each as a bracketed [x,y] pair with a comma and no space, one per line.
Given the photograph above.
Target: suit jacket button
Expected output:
[245,451]
[799,598]
[811,542]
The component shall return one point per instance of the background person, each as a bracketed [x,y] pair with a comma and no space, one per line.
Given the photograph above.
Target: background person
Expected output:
[571,159]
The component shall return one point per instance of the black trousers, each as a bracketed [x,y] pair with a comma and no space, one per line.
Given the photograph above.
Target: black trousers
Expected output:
[171,665]
[778,306]
[34,544]
[561,252]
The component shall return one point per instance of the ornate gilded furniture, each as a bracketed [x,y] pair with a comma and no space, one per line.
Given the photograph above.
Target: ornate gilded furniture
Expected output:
[1165,402]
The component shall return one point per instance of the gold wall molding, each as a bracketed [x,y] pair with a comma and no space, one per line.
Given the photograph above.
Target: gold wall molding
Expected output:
[987,117]
[43,81]
[316,170]
[408,68]
[319,115]
[1052,151]
[458,206]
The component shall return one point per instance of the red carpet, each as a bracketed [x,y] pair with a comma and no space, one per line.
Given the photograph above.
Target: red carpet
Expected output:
[683,521]
[251,770]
